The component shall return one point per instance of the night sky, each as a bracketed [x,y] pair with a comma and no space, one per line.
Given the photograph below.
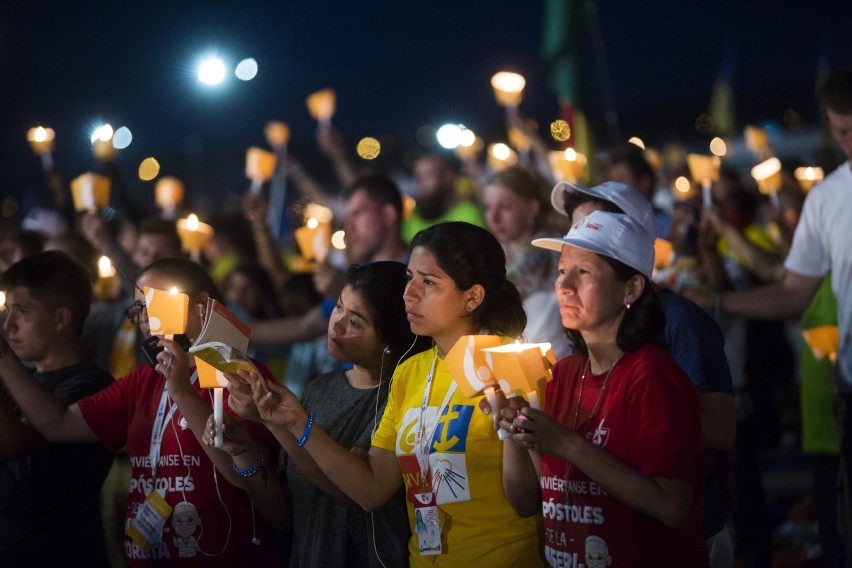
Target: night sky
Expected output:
[395,66]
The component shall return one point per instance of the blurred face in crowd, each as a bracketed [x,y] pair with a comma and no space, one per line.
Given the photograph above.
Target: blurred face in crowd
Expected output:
[621,173]
[31,327]
[241,290]
[367,225]
[841,129]
[352,334]
[436,184]
[151,247]
[510,218]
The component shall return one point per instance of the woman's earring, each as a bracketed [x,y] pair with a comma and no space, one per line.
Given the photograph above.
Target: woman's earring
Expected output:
[468,308]
[627,305]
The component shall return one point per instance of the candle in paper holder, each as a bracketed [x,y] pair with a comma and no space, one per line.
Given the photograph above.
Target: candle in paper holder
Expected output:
[90,191]
[662,254]
[508,88]
[106,284]
[166,310]
[808,176]
[767,174]
[468,366]
[823,340]
[500,157]
[277,134]
[705,171]
[193,235]
[321,105]
[209,377]
[314,239]
[260,166]
[41,140]
[168,193]
[757,140]
[522,368]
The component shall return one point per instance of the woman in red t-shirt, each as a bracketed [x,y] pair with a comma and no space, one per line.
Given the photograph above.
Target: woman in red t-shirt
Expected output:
[614,458]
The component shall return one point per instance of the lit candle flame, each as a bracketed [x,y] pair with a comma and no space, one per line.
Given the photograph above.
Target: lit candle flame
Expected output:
[192,222]
[312,223]
[173,290]
[105,267]
[570,154]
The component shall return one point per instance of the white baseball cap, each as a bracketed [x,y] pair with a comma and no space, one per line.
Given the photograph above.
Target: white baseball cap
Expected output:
[614,235]
[627,198]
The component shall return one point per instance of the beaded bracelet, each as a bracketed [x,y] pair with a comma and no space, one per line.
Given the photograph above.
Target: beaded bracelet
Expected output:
[304,439]
[253,469]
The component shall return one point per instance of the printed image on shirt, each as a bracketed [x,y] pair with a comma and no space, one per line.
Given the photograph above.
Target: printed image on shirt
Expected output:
[447,461]
[597,553]
[185,521]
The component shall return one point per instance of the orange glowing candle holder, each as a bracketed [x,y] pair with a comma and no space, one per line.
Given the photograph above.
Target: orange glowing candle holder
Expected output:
[314,239]
[808,176]
[322,105]
[277,133]
[704,171]
[467,364]
[824,341]
[500,157]
[167,310]
[106,284]
[522,369]
[662,254]
[260,166]
[90,191]
[168,193]
[756,140]
[41,140]
[767,174]
[193,234]
[508,88]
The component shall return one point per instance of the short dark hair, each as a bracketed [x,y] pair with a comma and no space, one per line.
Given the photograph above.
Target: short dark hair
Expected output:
[631,156]
[643,322]
[471,255]
[56,280]
[835,93]
[189,277]
[381,286]
[573,199]
[379,188]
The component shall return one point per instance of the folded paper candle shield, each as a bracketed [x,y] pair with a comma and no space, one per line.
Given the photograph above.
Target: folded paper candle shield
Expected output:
[166,311]
[521,368]
[90,191]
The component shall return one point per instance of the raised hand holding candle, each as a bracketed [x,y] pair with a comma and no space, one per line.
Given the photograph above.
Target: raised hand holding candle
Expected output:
[193,235]
[757,140]
[105,286]
[41,141]
[508,88]
[767,174]
[260,166]
[321,106]
[277,134]
[705,171]
[808,176]
[166,310]
[90,191]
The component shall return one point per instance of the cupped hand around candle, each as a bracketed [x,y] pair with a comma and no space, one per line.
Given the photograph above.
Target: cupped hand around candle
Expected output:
[173,364]
[537,430]
[235,437]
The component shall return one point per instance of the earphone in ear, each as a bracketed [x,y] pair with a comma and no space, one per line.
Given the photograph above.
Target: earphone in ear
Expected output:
[387,350]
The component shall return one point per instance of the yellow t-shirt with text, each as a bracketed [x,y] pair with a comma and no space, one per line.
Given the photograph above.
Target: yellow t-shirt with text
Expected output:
[466,458]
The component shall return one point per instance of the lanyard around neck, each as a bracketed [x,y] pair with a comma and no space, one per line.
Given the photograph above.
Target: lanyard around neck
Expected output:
[423,438]
[161,421]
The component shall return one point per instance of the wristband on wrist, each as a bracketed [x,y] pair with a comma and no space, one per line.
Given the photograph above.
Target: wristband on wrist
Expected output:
[242,450]
[304,439]
[253,469]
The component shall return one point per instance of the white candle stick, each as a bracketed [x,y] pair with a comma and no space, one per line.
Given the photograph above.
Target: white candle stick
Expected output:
[218,409]
[491,397]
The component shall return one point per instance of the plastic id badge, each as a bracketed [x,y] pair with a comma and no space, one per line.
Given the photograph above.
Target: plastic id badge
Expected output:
[426,524]
[147,528]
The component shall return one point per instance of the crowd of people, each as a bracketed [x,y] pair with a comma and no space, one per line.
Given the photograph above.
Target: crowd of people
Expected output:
[352,443]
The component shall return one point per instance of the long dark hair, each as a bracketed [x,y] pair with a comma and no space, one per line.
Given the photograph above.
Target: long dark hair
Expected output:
[642,323]
[471,255]
[381,285]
